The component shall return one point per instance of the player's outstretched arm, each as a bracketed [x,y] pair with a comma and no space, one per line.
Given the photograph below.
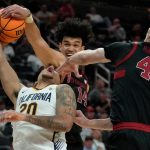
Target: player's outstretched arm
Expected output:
[83,58]
[88,57]
[46,54]
[9,79]
[102,124]
[62,121]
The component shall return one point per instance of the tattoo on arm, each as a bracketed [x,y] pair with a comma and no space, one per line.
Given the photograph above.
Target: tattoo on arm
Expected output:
[48,122]
[66,101]
[65,111]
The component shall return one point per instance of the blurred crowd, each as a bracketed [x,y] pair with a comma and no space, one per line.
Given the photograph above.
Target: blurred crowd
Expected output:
[105,30]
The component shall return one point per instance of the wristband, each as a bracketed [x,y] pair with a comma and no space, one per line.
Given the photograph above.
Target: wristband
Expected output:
[29,19]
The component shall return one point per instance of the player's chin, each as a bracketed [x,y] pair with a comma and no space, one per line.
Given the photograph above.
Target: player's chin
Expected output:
[47,76]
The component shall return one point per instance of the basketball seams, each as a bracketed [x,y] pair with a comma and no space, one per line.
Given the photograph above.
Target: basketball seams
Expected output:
[5,25]
[14,28]
[10,35]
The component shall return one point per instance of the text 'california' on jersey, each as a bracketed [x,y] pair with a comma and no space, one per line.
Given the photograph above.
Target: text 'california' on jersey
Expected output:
[131,95]
[27,136]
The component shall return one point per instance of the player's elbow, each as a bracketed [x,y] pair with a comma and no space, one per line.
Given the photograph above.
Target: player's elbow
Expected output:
[68,124]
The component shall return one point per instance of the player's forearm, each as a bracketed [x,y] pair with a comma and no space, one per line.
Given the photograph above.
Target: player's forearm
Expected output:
[88,57]
[34,37]
[147,38]
[42,50]
[55,123]
[32,33]
[9,79]
[102,124]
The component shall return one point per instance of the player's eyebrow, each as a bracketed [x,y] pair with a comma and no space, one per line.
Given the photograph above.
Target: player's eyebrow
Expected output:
[74,41]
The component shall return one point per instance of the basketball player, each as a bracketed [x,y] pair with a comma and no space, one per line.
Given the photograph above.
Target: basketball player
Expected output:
[130,113]
[72,35]
[48,104]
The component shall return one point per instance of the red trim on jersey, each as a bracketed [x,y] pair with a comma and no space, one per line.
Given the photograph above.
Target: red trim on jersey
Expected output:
[132,126]
[119,74]
[128,55]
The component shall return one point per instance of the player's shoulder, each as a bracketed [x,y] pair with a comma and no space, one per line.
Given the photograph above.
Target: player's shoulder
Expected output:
[64,90]
[23,89]
[119,44]
[63,86]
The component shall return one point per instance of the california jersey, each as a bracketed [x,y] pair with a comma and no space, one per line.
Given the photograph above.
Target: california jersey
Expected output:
[27,136]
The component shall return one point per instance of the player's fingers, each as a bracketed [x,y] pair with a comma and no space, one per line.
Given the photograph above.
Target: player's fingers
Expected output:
[60,68]
[78,113]
[1,11]
[11,7]
[78,121]
[17,16]
[62,77]
[6,14]
[76,72]
[8,10]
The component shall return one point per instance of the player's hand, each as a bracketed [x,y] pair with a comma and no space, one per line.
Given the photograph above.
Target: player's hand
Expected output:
[2,45]
[80,119]
[11,116]
[67,68]
[15,11]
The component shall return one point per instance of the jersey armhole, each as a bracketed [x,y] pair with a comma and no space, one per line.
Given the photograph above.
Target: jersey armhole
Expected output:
[126,57]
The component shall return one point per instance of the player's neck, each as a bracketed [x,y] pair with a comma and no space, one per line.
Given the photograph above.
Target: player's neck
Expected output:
[40,85]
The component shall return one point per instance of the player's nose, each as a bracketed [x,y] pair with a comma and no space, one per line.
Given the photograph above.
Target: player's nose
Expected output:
[50,68]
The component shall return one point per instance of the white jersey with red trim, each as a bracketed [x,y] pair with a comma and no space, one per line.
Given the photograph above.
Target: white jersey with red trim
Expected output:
[27,136]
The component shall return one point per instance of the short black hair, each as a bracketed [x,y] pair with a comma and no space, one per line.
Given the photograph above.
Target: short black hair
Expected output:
[73,27]
[88,138]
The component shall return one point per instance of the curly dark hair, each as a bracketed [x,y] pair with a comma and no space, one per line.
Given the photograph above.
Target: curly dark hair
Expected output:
[73,27]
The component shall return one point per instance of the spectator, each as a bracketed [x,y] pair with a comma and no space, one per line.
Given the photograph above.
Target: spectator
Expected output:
[97,139]
[90,113]
[137,32]
[34,62]
[88,143]
[94,95]
[43,14]
[66,10]
[9,52]
[116,31]
[94,17]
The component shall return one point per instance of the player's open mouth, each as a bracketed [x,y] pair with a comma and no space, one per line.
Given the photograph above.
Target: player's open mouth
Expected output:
[68,55]
[50,69]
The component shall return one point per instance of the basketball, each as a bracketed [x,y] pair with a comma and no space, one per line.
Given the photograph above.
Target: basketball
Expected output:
[11,29]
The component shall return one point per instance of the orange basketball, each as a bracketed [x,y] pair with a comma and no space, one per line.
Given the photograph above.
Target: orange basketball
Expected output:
[11,29]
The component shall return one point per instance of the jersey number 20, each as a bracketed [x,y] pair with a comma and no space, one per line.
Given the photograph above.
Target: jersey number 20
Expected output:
[144,65]
[29,109]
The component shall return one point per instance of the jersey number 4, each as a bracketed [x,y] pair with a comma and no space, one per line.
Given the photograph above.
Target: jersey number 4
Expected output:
[144,65]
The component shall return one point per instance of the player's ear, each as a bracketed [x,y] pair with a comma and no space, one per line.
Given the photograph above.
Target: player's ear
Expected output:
[83,47]
[59,46]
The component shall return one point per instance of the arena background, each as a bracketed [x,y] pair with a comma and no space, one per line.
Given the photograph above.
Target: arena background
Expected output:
[132,18]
